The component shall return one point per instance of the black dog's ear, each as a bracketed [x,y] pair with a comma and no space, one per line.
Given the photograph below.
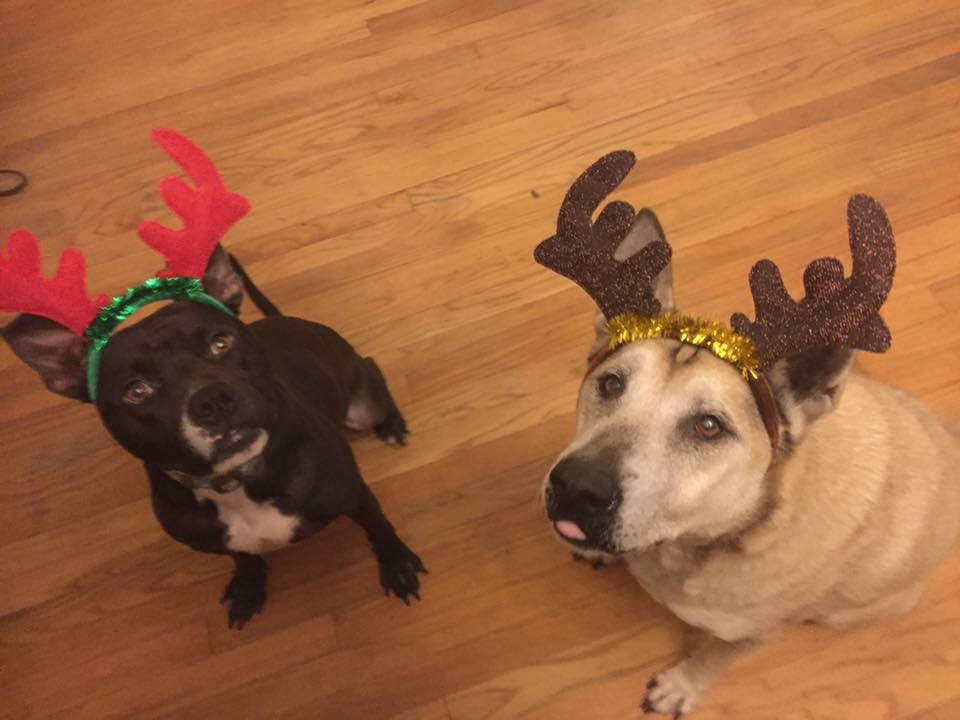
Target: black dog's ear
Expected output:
[55,352]
[221,281]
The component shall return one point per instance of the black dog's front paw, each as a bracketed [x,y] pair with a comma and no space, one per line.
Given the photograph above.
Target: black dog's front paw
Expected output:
[393,430]
[398,573]
[246,597]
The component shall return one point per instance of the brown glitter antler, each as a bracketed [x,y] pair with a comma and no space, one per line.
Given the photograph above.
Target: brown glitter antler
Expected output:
[836,310]
[584,251]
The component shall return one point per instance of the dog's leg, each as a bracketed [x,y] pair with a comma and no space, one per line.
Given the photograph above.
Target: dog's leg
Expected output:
[372,406]
[675,690]
[896,604]
[247,591]
[399,565]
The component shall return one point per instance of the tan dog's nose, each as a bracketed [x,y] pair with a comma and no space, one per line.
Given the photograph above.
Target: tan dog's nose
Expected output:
[586,485]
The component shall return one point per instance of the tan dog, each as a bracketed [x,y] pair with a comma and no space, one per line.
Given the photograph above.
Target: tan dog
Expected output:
[672,468]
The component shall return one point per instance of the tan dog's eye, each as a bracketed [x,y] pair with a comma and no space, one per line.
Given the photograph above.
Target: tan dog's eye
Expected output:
[137,392]
[220,344]
[708,426]
[610,386]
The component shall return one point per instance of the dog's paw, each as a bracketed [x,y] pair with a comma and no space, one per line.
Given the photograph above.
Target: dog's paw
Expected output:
[398,573]
[393,430]
[245,598]
[671,693]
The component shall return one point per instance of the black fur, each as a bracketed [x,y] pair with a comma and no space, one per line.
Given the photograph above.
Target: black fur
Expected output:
[293,378]
[258,298]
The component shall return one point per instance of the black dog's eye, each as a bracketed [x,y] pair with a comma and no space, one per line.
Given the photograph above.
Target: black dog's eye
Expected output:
[610,386]
[221,343]
[708,426]
[137,392]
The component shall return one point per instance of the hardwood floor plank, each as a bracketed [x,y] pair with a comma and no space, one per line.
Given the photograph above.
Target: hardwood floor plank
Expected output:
[403,158]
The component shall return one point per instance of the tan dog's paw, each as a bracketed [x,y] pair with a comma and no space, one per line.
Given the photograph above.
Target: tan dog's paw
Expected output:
[671,693]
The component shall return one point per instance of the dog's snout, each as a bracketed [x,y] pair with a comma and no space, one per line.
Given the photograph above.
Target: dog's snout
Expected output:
[213,406]
[586,483]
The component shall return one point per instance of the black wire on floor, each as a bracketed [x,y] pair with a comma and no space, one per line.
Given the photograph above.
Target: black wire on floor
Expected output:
[18,179]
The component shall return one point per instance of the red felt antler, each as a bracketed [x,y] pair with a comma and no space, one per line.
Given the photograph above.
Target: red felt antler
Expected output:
[207,210]
[62,299]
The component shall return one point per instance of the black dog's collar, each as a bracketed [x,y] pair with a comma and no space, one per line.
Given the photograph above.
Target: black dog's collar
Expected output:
[219,483]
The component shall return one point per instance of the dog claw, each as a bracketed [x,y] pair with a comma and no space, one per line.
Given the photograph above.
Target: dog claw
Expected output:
[393,430]
[398,573]
[646,706]
[652,683]
[245,599]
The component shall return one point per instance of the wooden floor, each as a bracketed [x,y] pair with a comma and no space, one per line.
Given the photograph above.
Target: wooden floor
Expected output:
[403,157]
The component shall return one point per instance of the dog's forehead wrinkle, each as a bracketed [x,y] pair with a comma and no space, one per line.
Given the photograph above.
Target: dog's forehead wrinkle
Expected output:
[647,360]
[684,353]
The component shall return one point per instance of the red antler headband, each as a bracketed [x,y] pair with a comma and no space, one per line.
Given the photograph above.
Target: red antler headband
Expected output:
[835,311]
[208,210]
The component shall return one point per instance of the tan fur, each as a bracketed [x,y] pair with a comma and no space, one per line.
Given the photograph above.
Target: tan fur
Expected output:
[841,529]
[865,507]
[840,524]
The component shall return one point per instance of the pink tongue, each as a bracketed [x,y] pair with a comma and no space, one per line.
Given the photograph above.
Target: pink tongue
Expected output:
[570,530]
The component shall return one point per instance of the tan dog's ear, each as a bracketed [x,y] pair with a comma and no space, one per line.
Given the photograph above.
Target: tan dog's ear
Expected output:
[646,229]
[600,337]
[808,385]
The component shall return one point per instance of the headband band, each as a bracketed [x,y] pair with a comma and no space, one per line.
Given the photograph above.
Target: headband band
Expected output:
[123,306]
[736,349]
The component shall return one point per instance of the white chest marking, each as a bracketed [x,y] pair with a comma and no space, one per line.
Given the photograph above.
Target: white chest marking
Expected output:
[252,527]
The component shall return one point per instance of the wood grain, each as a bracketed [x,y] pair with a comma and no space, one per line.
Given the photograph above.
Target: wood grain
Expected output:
[403,157]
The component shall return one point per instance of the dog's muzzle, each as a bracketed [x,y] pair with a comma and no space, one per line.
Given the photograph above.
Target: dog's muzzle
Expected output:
[582,498]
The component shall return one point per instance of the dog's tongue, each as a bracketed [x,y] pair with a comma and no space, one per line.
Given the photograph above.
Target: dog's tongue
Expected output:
[569,530]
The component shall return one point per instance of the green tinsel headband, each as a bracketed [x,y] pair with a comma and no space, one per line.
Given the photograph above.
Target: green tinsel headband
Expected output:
[123,306]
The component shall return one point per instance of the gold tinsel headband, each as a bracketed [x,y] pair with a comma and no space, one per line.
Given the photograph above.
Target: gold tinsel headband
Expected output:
[738,350]
[835,311]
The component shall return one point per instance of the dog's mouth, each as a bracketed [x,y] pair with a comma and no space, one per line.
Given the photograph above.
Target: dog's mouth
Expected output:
[236,448]
[573,534]
[570,531]
[575,529]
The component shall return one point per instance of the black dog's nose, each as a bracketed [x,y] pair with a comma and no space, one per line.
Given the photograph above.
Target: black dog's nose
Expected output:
[586,483]
[212,407]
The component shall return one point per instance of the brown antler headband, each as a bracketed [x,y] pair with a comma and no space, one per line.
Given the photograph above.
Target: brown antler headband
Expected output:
[583,251]
[835,311]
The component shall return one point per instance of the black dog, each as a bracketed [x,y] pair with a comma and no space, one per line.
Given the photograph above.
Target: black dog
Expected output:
[239,426]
